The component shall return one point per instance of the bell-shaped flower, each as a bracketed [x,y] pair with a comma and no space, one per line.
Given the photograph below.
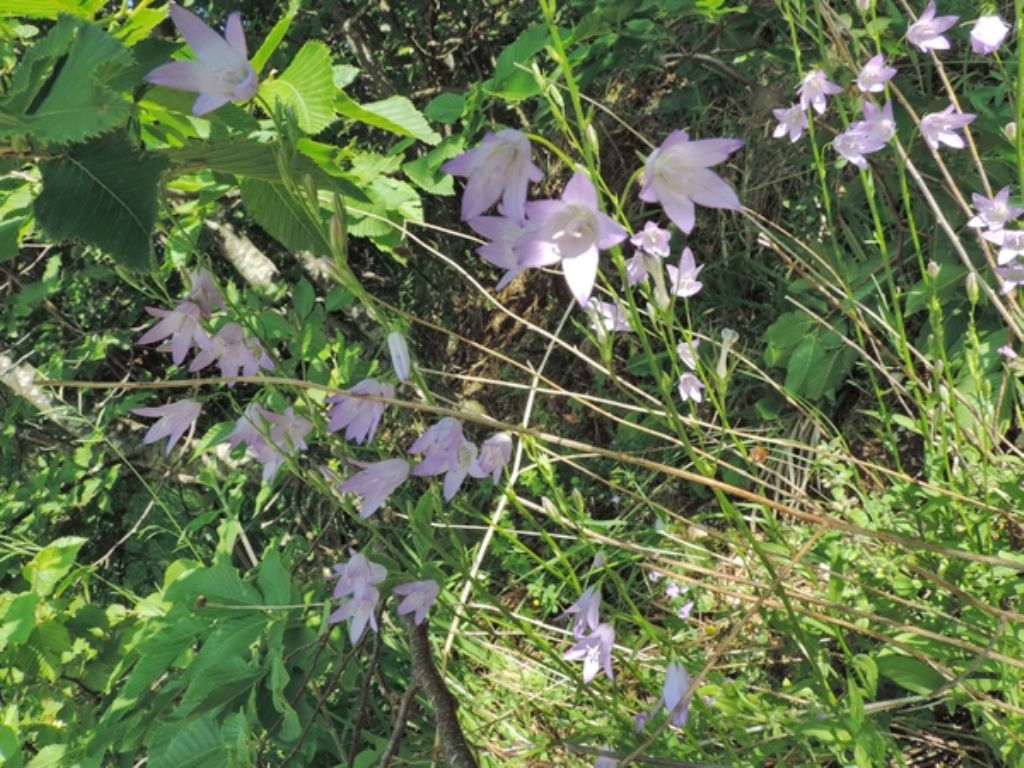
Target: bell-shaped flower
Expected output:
[182,325]
[683,280]
[995,212]
[570,230]
[375,483]
[879,123]
[503,233]
[652,239]
[1010,276]
[361,610]
[673,695]
[400,360]
[606,761]
[438,443]
[687,351]
[287,432]
[250,427]
[585,612]
[926,33]
[792,121]
[690,388]
[1010,242]
[356,575]
[874,75]
[419,597]
[988,33]
[498,168]
[677,175]
[815,89]
[941,127]
[595,650]
[221,71]
[460,462]
[358,416]
[495,453]
[204,292]
[607,316]
[234,353]
[172,421]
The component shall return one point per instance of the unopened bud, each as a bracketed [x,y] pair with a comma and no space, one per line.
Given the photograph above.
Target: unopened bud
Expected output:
[1010,132]
[729,337]
[400,360]
[933,269]
[973,290]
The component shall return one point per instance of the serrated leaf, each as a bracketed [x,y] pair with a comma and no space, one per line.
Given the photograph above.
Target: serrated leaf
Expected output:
[17,617]
[274,37]
[395,114]
[284,218]
[273,579]
[306,87]
[446,107]
[68,95]
[818,365]
[52,563]
[105,194]
[189,744]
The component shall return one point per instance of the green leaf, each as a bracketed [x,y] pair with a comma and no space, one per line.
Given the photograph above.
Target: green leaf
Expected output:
[446,107]
[105,194]
[64,93]
[306,87]
[909,673]
[189,744]
[274,37]
[50,756]
[303,297]
[285,218]
[273,579]
[49,9]
[17,617]
[395,114]
[52,563]
[818,365]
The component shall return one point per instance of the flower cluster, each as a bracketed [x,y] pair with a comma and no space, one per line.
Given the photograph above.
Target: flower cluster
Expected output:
[595,648]
[358,579]
[993,214]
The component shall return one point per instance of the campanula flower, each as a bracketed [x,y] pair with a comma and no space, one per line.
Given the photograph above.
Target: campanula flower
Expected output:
[729,338]
[638,267]
[495,453]
[683,279]
[498,168]
[988,34]
[1010,276]
[221,71]
[604,761]
[690,388]
[357,575]
[182,325]
[606,316]
[855,142]
[234,352]
[438,443]
[595,650]
[687,351]
[874,75]
[941,127]
[879,123]
[792,121]
[460,462]
[375,483]
[419,597]
[503,233]
[204,292]
[815,89]
[652,239]
[172,421]
[570,230]
[993,212]
[249,428]
[926,32]
[400,360]
[358,416]
[677,683]
[1010,242]
[585,612]
[685,610]
[677,175]
[361,610]
[286,438]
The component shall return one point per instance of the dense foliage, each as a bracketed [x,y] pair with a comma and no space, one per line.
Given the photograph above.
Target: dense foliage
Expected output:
[323,443]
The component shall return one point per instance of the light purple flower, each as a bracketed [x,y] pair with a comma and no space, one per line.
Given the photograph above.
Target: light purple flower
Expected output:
[172,421]
[419,597]
[460,462]
[204,292]
[652,239]
[604,761]
[1010,276]
[677,175]
[994,213]
[672,590]
[495,453]
[498,168]
[687,352]
[438,443]
[690,388]
[375,483]
[638,267]
[359,416]
[357,575]
[182,325]
[595,650]
[1007,352]
[361,610]
[874,75]
[853,144]
[288,430]
[221,71]
[683,279]
[233,352]
[249,428]
[503,233]
[926,32]
[607,316]
[585,612]
[792,121]
[286,437]
[570,230]
[988,33]
[941,127]
[1010,242]
[684,610]
[815,90]
[673,695]
[400,360]
[879,123]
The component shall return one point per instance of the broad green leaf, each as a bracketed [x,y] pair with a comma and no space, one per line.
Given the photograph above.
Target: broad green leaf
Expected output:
[446,107]
[49,9]
[188,744]
[17,617]
[285,218]
[50,756]
[77,97]
[274,37]
[395,114]
[306,87]
[273,578]
[105,194]
[344,75]
[52,563]
[908,672]
[157,652]
[818,365]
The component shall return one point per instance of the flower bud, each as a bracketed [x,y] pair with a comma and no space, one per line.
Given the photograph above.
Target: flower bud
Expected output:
[1010,132]
[400,360]
[973,290]
[933,269]
[729,337]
